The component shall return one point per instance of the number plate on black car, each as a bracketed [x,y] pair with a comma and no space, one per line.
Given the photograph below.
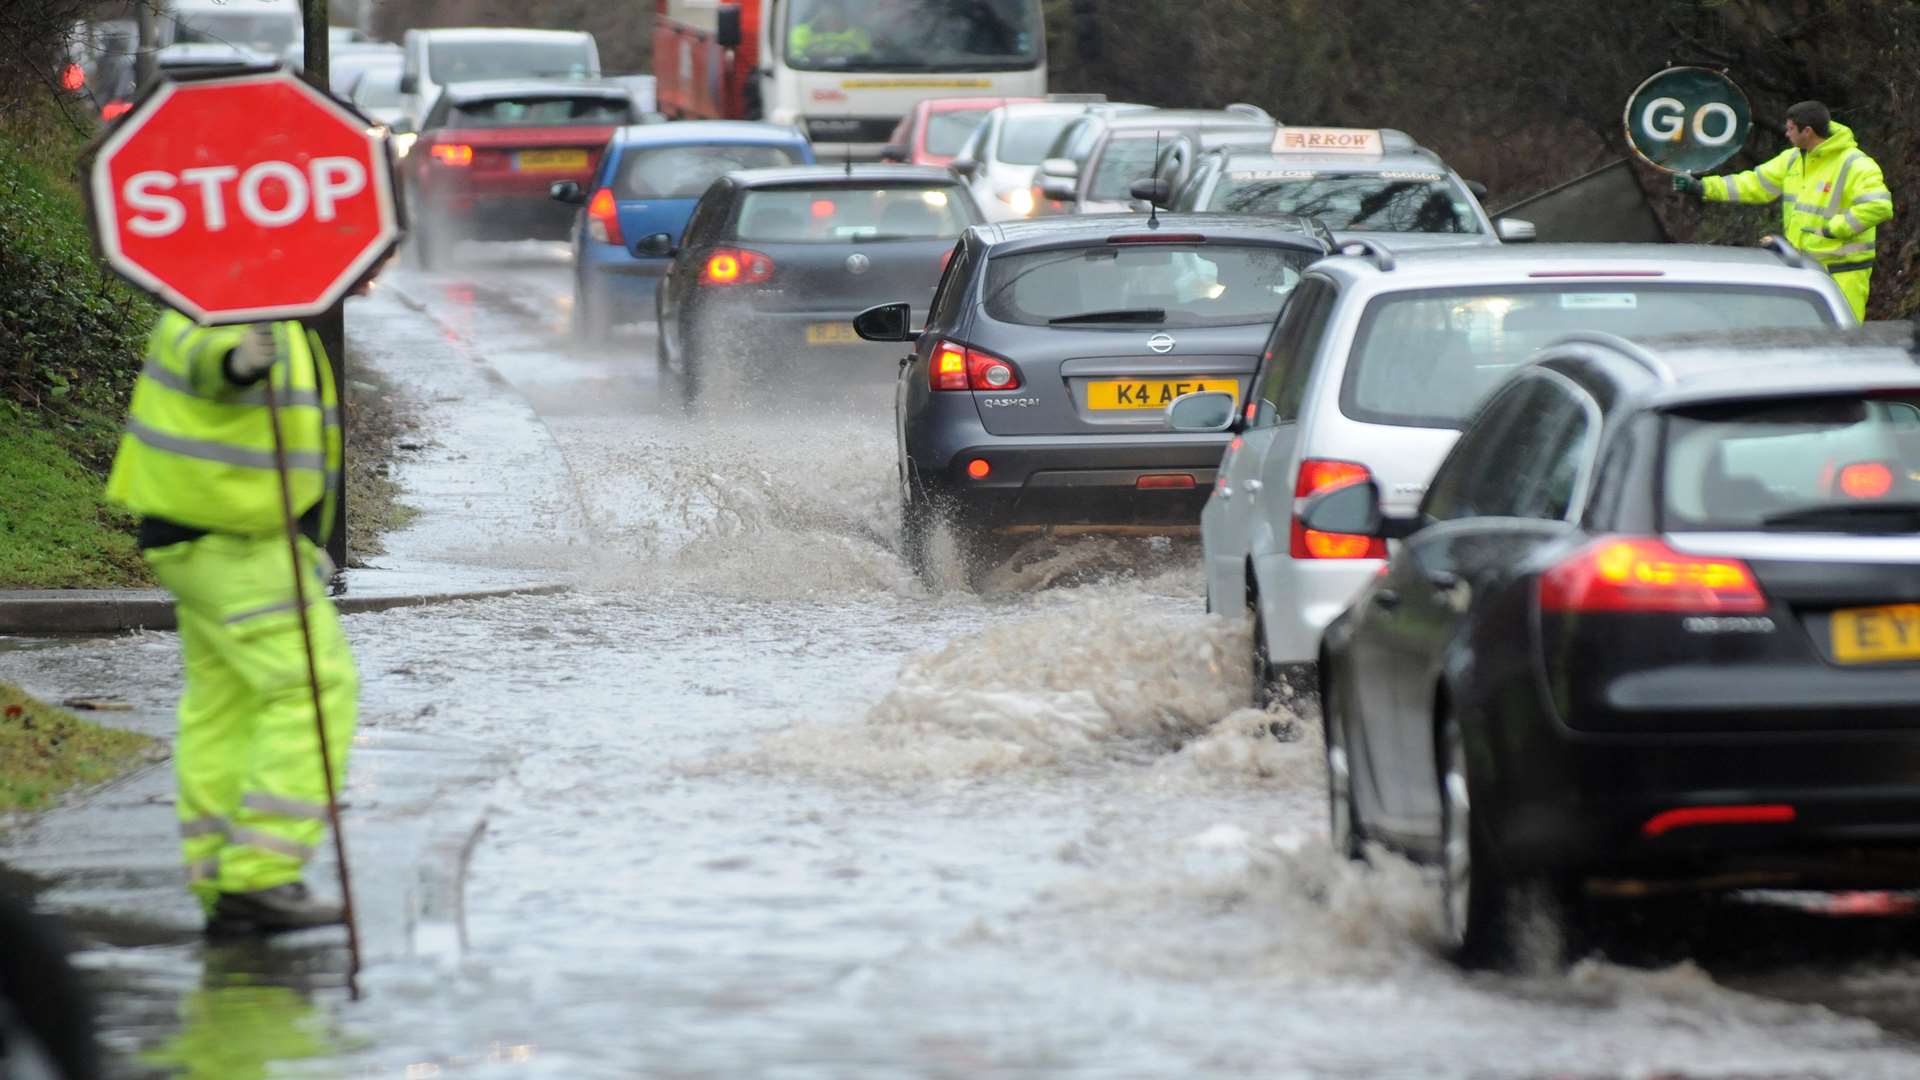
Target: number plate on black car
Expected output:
[1876,634]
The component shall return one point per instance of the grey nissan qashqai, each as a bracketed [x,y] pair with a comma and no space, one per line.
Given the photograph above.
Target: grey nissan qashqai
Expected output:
[1035,397]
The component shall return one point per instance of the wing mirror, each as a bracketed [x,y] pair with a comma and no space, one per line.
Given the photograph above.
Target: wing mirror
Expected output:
[658,245]
[1152,190]
[1354,509]
[1058,188]
[1205,411]
[1515,231]
[567,191]
[886,322]
[1060,166]
[894,152]
[965,166]
[1478,189]
[726,26]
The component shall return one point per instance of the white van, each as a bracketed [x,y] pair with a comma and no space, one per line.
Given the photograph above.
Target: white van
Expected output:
[434,58]
[266,27]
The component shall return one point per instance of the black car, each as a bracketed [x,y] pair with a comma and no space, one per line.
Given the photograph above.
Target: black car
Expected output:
[1035,398]
[774,264]
[1655,626]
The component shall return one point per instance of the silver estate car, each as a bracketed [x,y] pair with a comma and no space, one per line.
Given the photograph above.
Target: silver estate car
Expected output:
[1381,357]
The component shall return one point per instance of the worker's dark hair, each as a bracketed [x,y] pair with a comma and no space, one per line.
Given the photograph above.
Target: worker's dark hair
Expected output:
[1812,114]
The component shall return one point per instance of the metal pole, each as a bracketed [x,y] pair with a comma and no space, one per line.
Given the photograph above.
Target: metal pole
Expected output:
[313,683]
[144,64]
[317,68]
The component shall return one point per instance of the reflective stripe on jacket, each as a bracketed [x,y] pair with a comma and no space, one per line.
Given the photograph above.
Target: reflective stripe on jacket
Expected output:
[198,449]
[1831,199]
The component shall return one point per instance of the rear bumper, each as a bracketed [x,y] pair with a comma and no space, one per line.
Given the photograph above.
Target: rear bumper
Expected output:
[617,278]
[1300,597]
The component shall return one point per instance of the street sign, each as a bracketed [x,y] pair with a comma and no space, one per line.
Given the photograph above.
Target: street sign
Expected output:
[244,198]
[1688,119]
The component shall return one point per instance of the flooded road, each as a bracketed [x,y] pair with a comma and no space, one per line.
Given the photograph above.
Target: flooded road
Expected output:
[775,809]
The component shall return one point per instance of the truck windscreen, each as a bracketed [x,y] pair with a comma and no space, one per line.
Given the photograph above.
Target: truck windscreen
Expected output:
[913,35]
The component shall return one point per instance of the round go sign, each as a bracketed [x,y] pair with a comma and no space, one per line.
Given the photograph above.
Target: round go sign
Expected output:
[1688,119]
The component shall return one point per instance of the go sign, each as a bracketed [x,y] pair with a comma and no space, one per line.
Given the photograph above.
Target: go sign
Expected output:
[1688,119]
[244,198]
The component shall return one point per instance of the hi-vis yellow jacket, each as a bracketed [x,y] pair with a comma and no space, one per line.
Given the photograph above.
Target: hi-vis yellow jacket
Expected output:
[198,450]
[1831,199]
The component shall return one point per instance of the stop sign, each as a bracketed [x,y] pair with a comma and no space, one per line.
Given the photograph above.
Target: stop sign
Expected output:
[244,198]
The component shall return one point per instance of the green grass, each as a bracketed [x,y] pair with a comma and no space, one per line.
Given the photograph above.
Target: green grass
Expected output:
[55,531]
[45,751]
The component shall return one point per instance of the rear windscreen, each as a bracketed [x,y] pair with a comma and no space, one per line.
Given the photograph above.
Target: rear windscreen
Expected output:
[1159,285]
[948,131]
[839,214]
[540,112]
[1827,464]
[1427,359]
[1351,202]
[685,172]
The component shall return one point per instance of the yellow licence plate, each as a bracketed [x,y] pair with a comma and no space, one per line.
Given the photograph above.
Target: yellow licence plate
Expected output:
[1151,393]
[1876,634]
[551,160]
[831,333]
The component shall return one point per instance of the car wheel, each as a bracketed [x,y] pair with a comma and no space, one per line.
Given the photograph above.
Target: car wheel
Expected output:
[917,523]
[689,373]
[1269,683]
[1343,823]
[591,320]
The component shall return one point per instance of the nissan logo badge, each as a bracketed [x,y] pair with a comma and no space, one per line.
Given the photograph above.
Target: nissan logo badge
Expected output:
[1161,343]
[858,263]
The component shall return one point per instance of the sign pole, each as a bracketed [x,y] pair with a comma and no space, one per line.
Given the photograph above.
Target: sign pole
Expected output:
[317,67]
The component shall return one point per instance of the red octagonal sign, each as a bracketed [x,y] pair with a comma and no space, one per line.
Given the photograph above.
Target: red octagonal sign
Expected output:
[244,198]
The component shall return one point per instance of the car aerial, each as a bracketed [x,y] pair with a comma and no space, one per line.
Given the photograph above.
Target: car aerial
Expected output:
[1002,158]
[489,154]
[936,129]
[648,182]
[1381,357]
[1353,180]
[1035,397]
[1655,626]
[774,264]
[432,59]
[1127,147]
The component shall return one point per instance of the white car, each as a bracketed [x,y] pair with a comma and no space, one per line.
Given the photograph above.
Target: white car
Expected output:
[1002,158]
[436,57]
[1381,357]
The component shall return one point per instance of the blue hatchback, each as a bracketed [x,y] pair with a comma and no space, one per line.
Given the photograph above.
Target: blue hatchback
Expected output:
[648,182]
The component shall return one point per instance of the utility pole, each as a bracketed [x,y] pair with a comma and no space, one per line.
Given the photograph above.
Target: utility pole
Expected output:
[144,63]
[331,327]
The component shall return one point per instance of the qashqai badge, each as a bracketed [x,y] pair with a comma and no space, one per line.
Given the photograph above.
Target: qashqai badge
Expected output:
[858,263]
[1161,343]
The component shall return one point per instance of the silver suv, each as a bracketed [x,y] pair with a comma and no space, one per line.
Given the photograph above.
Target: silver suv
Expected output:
[1380,358]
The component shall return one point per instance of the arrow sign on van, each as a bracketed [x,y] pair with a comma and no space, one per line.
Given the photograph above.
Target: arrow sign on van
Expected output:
[1688,119]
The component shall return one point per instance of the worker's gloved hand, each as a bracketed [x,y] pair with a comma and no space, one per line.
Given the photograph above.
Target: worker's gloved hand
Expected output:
[1687,184]
[254,355]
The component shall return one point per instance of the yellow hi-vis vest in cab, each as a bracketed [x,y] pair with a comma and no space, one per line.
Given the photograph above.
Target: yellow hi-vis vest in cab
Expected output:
[1831,199]
[198,449]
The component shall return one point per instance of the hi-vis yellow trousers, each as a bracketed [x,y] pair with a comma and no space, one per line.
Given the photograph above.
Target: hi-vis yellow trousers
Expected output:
[252,799]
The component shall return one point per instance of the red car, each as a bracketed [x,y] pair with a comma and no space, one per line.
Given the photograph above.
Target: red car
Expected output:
[490,152]
[937,128]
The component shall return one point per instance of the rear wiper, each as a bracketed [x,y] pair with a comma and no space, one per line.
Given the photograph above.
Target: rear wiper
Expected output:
[1862,517]
[1142,315]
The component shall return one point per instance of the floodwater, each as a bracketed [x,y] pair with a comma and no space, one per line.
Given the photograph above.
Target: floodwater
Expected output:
[774,808]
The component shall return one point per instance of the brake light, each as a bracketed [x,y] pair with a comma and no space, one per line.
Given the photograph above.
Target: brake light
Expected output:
[603,217]
[1626,573]
[1318,475]
[1165,482]
[458,155]
[823,208]
[113,110]
[1761,814]
[73,77]
[956,367]
[1157,238]
[735,266]
[1866,480]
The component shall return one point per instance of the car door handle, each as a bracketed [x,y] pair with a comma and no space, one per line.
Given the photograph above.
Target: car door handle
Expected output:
[1386,599]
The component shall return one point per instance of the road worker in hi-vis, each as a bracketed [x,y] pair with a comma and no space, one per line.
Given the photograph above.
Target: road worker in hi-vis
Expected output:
[1832,196]
[197,464]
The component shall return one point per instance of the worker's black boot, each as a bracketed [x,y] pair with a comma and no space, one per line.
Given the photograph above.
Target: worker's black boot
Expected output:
[271,911]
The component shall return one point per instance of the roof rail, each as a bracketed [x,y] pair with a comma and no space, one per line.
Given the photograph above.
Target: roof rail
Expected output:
[1395,139]
[1639,354]
[1317,229]
[1246,109]
[1381,254]
[1789,254]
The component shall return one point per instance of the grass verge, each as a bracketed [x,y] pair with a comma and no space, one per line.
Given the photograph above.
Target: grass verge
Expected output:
[380,425]
[45,751]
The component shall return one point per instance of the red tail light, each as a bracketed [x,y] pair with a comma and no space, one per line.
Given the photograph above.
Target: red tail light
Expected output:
[1866,480]
[458,155]
[735,266]
[1627,573]
[956,367]
[113,110]
[603,217]
[73,77]
[1318,475]
[1690,816]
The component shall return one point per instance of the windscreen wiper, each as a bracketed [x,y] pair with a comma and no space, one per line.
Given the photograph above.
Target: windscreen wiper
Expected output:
[1861,517]
[1130,315]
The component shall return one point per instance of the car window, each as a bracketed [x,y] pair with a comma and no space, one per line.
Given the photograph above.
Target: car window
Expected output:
[947,131]
[1296,338]
[1480,474]
[1554,442]
[1524,457]
[683,172]
[378,89]
[1024,140]
[511,112]
[469,61]
[1122,161]
[707,215]
[949,296]
[842,213]
[1428,358]
[1351,202]
[1821,463]
[1166,285]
